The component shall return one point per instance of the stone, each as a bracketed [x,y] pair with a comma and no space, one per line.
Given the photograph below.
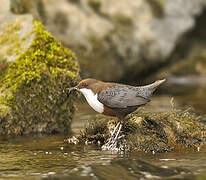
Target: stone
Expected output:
[36,70]
[126,39]
[143,131]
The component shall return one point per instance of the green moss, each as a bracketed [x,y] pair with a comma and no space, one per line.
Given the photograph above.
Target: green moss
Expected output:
[174,129]
[44,53]
[34,86]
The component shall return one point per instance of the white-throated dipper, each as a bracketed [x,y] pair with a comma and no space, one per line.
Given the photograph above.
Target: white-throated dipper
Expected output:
[115,99]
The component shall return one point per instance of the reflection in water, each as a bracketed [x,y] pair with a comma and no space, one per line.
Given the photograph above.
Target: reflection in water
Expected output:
[48,157]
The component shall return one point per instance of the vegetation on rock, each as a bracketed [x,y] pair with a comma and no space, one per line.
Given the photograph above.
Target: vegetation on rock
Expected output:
[147,132]
[33,95]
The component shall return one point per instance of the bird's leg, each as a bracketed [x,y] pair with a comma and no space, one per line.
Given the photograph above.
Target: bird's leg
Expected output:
[120,127]
[115,129]
[113,133]
[112,142]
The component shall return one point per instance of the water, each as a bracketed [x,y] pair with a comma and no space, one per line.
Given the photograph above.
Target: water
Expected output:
[48,157]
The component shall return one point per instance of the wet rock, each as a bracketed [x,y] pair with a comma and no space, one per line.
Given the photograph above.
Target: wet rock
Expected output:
[123,35]
[35,72]
[174,130]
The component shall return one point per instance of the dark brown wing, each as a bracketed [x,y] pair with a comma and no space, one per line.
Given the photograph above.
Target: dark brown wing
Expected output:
[121,96]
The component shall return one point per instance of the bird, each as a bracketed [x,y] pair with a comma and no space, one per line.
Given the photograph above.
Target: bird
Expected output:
[115,99]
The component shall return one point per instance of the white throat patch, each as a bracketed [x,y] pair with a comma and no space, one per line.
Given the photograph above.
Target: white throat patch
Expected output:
[92,100]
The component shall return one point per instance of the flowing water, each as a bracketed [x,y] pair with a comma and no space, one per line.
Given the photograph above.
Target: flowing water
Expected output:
[48,157]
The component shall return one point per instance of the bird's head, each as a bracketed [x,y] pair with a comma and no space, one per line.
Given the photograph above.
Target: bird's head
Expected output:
[86,84]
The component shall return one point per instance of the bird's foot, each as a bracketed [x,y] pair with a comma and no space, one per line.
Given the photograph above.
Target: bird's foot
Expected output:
[113,143]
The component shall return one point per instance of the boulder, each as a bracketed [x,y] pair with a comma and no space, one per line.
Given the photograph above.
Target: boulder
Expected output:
[35,71]
[174,130]
[121,40]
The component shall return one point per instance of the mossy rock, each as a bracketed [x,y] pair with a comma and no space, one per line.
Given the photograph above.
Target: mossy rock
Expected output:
[175,130]
[37,72]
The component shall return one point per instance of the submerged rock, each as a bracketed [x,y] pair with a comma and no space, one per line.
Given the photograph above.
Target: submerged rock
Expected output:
[150,132]
[35,72]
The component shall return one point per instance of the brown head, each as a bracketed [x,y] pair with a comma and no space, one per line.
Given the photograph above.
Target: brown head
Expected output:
[87,83]
[93,84]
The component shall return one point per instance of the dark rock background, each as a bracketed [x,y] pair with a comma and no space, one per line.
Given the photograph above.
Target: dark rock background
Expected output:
[127,40]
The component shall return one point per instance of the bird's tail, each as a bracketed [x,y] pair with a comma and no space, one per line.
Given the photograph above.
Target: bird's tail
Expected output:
[156,83]
[150,88]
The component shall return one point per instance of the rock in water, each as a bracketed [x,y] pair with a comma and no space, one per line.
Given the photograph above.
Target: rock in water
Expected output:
[144,131]
[35,70]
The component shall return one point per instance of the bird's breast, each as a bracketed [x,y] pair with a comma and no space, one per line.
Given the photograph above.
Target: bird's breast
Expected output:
[92,100]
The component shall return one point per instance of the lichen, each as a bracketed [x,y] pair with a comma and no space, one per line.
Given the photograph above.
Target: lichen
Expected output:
[34,86]
[145,131]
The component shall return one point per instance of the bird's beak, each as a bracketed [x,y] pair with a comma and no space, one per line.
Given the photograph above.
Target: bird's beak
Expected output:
[72,88]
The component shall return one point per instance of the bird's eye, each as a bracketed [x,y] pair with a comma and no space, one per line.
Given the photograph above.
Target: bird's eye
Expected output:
[85,84]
